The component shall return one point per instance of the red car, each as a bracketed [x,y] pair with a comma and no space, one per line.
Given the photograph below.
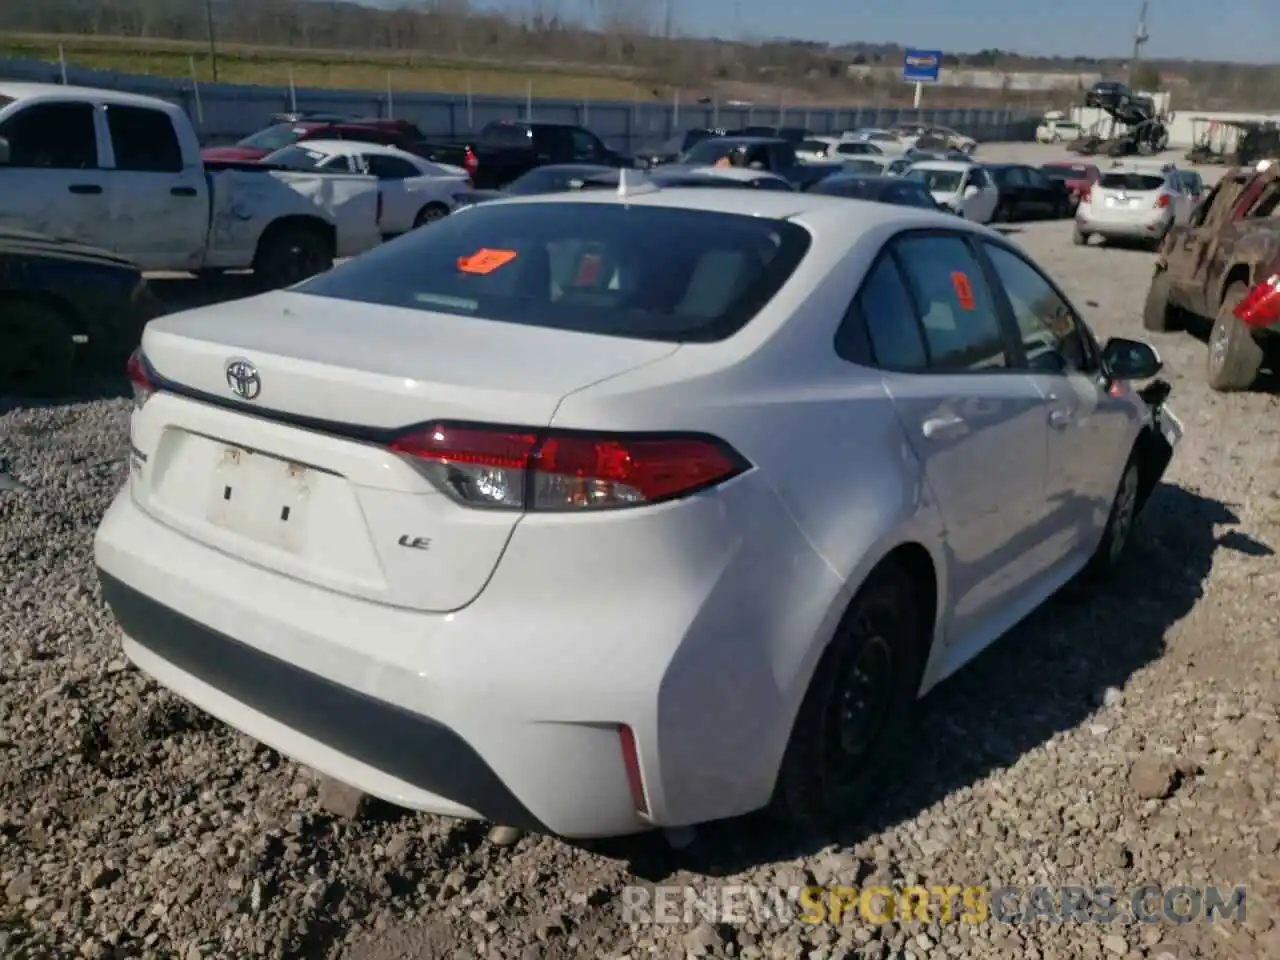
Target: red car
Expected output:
[1078,177]
[393,133]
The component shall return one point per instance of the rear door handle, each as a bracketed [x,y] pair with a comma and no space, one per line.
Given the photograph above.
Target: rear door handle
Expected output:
[183,191]
[85,188]
[944,428]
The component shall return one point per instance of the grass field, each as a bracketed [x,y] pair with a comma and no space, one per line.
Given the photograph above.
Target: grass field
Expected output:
[339,69]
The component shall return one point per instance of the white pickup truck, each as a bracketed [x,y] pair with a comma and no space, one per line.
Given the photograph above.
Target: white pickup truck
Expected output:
[124,173]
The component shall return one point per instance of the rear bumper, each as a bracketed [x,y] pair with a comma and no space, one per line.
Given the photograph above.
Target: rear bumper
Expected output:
[1136,229]
[509,709]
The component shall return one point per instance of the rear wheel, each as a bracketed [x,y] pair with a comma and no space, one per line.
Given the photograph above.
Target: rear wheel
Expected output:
[1080,238]
[430,214]
[1234,356]
[857,706]
[37,354]
[1157,315]
[290,254]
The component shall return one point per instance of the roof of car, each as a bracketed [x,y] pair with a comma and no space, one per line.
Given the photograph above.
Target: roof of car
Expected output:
[56,91]
[750,140]
[346,148]
[727,173]
[954,166]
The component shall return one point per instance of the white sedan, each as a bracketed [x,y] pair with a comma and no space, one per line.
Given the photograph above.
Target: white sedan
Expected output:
[413,191]
[600,511]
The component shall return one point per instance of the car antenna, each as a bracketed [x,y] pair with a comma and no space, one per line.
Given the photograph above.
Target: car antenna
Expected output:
[633,182]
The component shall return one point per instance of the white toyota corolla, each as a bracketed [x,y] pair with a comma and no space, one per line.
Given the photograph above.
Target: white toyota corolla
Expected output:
[595,512]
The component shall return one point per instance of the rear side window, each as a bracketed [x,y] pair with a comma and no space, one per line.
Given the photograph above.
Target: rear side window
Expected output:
[143,140]
[961,327]
[651,273]
[1133,182]
[890,317]
[390,168]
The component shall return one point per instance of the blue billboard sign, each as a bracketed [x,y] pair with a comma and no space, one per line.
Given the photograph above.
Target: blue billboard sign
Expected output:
[921,66]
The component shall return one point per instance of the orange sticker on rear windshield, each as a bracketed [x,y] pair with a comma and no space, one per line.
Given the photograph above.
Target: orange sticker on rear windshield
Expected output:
[485,260]
[964,291]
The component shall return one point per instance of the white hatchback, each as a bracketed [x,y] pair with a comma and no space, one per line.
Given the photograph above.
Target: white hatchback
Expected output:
[594,512]
[1134,201]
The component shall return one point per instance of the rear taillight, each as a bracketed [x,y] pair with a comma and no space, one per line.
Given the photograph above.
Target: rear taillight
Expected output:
[1162,201]
[1261,305]
[511,468]
[1086,194]
[140,378]
[470,162]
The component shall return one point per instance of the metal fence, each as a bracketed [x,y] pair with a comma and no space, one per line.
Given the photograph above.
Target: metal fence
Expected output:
[224,112]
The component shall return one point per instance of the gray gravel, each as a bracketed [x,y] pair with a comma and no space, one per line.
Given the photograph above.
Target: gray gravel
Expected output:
[1121,738]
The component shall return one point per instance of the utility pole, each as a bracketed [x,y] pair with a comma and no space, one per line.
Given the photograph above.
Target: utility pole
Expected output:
[213,40]
[1140,38]
[668,22]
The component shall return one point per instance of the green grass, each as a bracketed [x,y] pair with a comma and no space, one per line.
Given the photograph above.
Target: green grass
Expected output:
[337,69]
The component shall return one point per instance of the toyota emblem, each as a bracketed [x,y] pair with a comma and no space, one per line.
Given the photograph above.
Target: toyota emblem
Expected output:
[242,378]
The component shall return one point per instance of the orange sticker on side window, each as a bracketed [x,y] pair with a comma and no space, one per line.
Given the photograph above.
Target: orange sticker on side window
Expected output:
[485,260]
[964,291]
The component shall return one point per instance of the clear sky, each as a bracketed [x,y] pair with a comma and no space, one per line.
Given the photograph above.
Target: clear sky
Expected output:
[1242,30]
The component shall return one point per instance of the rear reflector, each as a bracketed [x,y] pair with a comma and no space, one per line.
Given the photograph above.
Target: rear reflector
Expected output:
[139,374]
[631,760]
[514,468]
[1261,305]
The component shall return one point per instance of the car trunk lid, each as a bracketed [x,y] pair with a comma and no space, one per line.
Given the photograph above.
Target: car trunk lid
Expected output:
[296,476]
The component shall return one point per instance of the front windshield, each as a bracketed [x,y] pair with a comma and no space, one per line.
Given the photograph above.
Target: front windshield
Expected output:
[273,138]
[296,158]
[553,179]
[936,181]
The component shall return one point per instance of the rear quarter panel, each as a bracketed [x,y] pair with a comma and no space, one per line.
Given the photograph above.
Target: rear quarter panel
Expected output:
[245,203]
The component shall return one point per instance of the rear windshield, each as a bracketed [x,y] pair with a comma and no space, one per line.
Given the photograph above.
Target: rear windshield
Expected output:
[863,166]
[1133,182]
[297,158]
[708,152]
[500,134]
[273,138]
[650,273]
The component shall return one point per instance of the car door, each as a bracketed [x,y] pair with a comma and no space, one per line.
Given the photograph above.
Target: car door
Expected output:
[1085,425]
[159,211]
[399,204]
[981,207]
[1041,192]
[54,182]
[976,424]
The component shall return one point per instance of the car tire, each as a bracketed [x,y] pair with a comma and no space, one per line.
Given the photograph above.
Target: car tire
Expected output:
[289,254]
[39,353]
[1157,314]
[1234,356]
[430,214]
[1121,519]
[857,706]
[1003,212]
[1080,238]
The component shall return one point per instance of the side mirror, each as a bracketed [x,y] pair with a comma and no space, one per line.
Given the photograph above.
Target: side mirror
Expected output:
[1130,359]
[971,191]
[4,151]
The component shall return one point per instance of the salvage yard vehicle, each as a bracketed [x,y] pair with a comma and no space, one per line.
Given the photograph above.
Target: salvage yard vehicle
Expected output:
[1078,178]
[542,515]
[1136,200]
[962,188]
[395,133]
[1224,265]
[124,173]
[507,149]
[412,192]
[670,149]
[1056,127]
[879,189]
[1027,192]
[772,154]
[65,306]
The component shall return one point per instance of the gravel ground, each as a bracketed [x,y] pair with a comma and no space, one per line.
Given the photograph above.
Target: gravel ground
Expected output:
[1123,738]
